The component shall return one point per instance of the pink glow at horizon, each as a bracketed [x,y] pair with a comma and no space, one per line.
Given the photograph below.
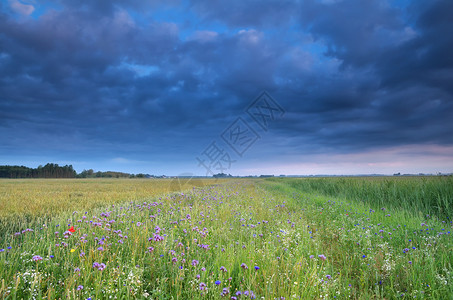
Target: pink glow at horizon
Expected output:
[411,159]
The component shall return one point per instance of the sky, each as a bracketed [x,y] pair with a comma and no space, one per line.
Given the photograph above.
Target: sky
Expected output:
[242,87]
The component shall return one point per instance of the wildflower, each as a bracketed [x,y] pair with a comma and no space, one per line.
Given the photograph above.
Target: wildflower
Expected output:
[225,292]
[80,287]
[322,257]
[244,266]
[72,250]
[410,262]
[82,254]
[257,268]
[157,237]
[218,282]
[37,258]
[223,269]
[198,276]
[203,269]
[202,286]
[328,276]
[100,249]
[364,256]
[71,229]
[195,262]
[150,249]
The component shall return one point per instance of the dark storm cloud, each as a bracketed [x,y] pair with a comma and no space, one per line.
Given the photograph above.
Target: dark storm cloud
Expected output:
[252,13]
[111,77]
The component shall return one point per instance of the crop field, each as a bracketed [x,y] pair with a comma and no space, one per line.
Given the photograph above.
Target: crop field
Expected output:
[277,238]
[25,200]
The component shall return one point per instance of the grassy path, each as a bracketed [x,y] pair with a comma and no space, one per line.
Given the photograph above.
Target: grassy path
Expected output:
[377,253]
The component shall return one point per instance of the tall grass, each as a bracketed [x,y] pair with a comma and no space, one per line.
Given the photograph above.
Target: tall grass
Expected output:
[424,195]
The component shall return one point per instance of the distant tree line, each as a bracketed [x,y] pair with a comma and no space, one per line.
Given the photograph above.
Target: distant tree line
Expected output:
[55,171]
[109,174]
[48,171]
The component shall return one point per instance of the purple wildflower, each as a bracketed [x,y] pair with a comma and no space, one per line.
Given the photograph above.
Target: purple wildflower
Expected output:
[37,258]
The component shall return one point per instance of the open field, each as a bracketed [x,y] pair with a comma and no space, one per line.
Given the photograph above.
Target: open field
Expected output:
[242,239]
[25,200]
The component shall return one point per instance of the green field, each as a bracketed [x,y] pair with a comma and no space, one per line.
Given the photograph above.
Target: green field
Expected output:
[308,238]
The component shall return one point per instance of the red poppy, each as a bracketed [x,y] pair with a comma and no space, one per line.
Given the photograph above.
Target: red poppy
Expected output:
[71,229]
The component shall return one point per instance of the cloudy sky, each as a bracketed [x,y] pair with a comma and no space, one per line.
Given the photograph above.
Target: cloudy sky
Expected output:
[172,87]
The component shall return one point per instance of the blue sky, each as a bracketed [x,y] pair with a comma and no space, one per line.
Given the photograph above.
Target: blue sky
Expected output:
[172,87]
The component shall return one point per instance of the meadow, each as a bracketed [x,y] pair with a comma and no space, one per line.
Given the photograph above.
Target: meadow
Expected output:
[309,238]
[24,201]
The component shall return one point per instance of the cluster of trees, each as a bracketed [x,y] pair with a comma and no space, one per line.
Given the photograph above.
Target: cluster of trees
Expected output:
[109,174]
[56,171]
[221,175]
[48,171]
